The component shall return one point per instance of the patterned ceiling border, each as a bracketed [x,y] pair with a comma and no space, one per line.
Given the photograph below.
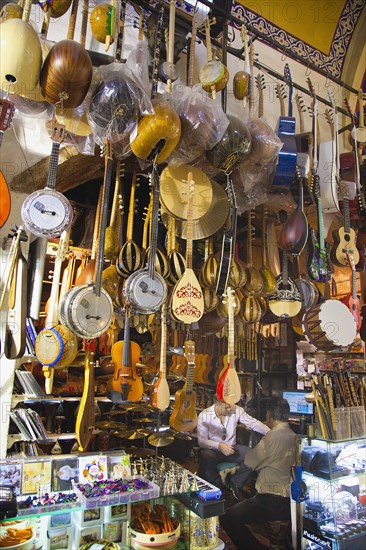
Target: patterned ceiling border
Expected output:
[333,62]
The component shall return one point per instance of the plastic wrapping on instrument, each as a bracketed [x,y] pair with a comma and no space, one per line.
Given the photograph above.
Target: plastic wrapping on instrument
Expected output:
[233,147]
[138,62]
[203,123]
[117,101]
[266,146]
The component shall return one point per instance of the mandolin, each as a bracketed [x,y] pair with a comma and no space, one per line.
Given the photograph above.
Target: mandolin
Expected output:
[125,384]
[160,393]
[187,297]
[294,233]
[344,238]
[286,300]
[85,419]
[352,301]
[184,415]
[228,387]
[287,159]
[67,71]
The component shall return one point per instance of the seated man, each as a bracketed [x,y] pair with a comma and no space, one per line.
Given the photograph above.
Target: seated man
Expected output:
[216,431]
[272,458]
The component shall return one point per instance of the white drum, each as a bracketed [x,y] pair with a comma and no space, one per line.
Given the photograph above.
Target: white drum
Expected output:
[329,325]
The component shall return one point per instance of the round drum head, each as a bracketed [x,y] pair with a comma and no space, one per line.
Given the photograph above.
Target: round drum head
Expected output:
[337,322]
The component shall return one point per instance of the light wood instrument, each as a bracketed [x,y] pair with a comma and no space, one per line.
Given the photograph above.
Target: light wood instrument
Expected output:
[20,59]
[344,238]
[228,388]
[286,300]
[176,260]
[85,419]
[103,19]
[160,393]
[213,76]
[168,72]
[130,257]
[241,81]
[184,415]
[187,298]
[228,240]
[67,71]
[112,244]
[125,385]
[209,269]
[254,283]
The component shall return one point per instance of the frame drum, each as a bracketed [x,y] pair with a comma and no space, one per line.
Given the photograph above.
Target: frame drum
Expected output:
[329,325]
[214,73]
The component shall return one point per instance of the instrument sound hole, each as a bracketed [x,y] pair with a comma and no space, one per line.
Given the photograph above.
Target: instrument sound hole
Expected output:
[157,149]
[10,78]
[186,404]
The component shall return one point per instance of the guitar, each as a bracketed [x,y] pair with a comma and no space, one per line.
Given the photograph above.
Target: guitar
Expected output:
[344,238]
[286,300]
[228,241]
[287,158]
[125,385]
[359,135]
[318,262]
[184,415]
[85,419]
[228,387]
[304,142]
[187,297]
[352,301]
[160,393]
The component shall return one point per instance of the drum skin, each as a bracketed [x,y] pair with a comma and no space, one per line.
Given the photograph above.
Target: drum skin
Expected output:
[67,70]
[20,56]
[214,74]
[329,325]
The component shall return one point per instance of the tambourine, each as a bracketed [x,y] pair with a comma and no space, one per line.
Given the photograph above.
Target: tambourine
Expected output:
[329,325]
[214,76]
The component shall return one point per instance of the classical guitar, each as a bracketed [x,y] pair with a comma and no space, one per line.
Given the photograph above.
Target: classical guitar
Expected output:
[187,297]
[160,393]
[344,238]
[286,300]
[285,169]
[125,384]
[228,387]
[184,415]
[85,419]
[352,301]
[228,240]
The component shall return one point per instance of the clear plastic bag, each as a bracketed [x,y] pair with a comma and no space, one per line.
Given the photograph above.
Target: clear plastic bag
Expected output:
[138,62]
[266,146]
[203,123]
[117,101]
[233,147]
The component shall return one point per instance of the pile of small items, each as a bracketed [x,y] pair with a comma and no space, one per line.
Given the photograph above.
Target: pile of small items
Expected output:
[152,521]
[48,499]
[14,536]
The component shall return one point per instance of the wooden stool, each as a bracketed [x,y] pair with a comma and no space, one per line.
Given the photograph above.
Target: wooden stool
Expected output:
[225,467]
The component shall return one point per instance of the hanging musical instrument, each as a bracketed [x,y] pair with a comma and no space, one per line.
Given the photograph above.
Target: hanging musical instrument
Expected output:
[130,257]
[254,283]
[160,393]
[359,135]
[168,71]
[112,232]
[176,260]
[237,273]
[85,272]
[328,166]
[233,147]
[308,290]
[213,76]
[294,233]
[228,387]
[125,385]
[269,280]
[85,418]
[286,300]
[272,249]
[46,212]
[37,257]
[5,203]
[209,270]
[103,22]
[352,301]
[20,59]
[287,159]
[184,414]
[187,297]
[146,289]
[344,238]
[241,81]
[67,71]
[87,309]
[228,240]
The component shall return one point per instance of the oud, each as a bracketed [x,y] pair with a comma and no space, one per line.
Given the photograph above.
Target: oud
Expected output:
[184,415]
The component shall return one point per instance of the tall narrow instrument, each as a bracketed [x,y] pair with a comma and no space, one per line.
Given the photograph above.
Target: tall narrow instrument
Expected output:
[160,393]
[85,419]
[184,416]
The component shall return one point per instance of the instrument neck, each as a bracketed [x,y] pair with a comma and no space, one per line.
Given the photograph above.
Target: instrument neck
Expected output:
[52,169]
[131,210]
[192,51]
[103,224]
[284,269]
[126,354]
[154,221]
[163,345]
[156,60]
[84,22]
[72,20]
[231,330]
[119,44]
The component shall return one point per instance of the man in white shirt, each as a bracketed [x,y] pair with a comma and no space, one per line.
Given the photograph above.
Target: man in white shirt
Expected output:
[216,431]
[272,458]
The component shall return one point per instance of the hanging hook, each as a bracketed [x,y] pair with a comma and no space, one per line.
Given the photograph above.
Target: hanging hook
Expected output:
[284,55]
[308,71]
[327,83]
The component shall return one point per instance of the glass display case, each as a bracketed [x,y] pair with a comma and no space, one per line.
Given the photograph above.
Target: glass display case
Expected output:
[334,515]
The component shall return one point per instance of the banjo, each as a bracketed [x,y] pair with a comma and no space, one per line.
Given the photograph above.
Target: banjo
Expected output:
[87,309]
[146,289]
[46,212]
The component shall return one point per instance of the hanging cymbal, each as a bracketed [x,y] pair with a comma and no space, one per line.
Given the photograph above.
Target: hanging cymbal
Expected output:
[134,434]
[208,224]
[116,412]
[110,425]
[173,195]
[179,435]
[159,439]
[144,420]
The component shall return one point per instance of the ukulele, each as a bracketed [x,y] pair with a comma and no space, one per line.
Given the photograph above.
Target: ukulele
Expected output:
[286,300]
[228,387]
[287,158]
[85,419]
[125,385]
[344,238]
[160,393]
[184,415]
[187,297]
[352,301]
[228,240]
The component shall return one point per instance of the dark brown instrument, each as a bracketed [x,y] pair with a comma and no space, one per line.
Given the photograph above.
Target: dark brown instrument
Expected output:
[67,70]
[294,232]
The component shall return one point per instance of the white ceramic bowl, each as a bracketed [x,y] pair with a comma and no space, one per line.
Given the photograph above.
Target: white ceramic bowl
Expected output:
[26,545]
[13,524]
[163,541]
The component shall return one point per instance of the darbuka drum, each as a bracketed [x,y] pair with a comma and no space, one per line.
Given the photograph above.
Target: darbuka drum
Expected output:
[329,325]
[215,75]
